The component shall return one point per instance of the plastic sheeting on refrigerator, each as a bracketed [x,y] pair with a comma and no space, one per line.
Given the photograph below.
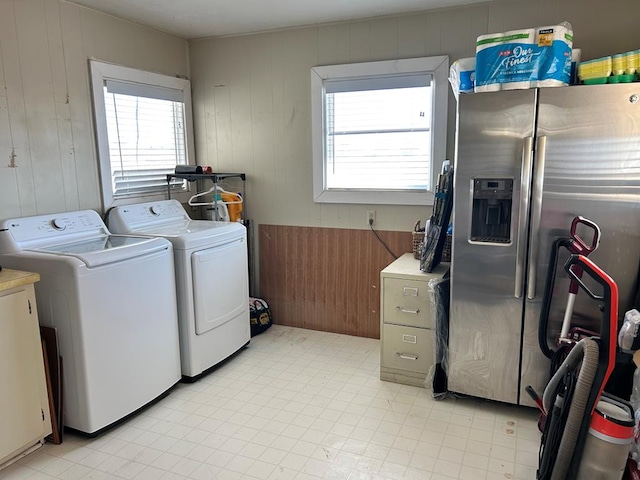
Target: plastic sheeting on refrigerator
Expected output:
[436,379]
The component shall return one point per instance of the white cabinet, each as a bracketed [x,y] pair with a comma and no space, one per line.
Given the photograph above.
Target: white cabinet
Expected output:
[24,407]
[407,322]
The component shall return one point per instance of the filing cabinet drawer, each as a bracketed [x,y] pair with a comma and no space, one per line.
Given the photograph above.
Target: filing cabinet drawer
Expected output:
[407,348]
[406,302]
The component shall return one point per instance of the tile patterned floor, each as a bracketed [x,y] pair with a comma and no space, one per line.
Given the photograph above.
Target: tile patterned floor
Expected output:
[300,404]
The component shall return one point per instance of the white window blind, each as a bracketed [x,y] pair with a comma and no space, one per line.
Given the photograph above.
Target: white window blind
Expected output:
[379,130]
[146,136]
[378,133]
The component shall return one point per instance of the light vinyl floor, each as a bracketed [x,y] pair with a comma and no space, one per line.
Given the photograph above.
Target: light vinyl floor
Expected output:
[301,404]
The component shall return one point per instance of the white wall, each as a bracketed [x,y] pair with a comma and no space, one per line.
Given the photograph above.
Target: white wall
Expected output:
[45,108]
[252,95]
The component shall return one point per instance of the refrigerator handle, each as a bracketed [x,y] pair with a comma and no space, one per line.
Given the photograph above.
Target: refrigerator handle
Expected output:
[536,212]
[525,182]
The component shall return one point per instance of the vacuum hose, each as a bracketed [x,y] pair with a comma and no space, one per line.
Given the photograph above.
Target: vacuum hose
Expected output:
[587,352]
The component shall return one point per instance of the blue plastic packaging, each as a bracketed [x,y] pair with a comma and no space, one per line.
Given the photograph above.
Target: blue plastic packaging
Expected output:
[524,58]
[516,62]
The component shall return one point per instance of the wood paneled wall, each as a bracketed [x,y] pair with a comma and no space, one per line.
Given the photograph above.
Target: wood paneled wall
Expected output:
[326,278]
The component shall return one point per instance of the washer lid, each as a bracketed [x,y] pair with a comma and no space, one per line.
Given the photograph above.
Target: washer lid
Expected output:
[105,249]
[187,234]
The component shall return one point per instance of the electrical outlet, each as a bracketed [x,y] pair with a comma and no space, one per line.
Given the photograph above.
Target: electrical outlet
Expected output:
[371,217]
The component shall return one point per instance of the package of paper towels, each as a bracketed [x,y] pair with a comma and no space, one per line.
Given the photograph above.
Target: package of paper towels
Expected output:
[527,58]
[462,75]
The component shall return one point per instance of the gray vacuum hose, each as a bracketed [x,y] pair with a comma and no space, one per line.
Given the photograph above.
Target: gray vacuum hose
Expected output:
[587,351]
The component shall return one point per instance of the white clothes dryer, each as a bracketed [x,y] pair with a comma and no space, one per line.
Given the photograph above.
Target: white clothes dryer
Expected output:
[112,300]
[212,279]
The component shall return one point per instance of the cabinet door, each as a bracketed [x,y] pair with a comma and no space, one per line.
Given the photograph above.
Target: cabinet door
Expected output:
[21,375]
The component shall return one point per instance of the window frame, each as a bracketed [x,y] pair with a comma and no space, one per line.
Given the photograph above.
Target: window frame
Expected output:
[438,68]
[101,72]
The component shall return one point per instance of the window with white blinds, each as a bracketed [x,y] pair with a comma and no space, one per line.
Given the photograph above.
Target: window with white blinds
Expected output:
[142,126]
[379,139]
[146,140]
[376,130]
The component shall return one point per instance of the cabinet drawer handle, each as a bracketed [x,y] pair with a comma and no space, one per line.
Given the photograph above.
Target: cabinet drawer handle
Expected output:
[406,356]
[405,310]
[409,291]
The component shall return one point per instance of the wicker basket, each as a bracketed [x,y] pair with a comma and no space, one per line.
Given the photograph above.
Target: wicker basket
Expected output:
[418,240]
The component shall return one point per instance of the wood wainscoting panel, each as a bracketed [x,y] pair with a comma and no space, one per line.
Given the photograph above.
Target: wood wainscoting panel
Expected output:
[326,278]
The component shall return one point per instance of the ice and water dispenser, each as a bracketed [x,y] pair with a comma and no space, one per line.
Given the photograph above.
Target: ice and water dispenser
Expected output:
[491,210]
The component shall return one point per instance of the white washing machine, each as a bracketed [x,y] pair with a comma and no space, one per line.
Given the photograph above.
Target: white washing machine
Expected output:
[211,278]
[112,300]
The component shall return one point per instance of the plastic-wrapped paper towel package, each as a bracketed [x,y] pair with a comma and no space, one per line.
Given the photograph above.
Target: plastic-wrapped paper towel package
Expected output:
[527,58]
[462,76]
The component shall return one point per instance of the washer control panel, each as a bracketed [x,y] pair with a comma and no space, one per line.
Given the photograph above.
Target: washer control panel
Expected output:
[54,226]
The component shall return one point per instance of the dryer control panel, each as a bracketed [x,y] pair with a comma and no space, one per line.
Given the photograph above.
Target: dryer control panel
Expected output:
[135,217]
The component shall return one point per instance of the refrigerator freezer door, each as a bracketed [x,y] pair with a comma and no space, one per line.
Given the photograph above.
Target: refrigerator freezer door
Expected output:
[592,168]
[492,175]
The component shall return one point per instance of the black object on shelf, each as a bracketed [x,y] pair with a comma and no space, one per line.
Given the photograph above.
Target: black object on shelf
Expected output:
[189,169]
[436,234]
[215,177]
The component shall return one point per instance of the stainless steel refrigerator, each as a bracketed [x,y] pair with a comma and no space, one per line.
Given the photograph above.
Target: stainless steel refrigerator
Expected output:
[527,162]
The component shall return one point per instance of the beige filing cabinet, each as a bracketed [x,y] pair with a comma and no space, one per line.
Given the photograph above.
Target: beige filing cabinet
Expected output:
[24,406]
[407,326]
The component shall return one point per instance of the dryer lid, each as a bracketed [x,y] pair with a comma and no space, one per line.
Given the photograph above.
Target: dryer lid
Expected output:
[105,249]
